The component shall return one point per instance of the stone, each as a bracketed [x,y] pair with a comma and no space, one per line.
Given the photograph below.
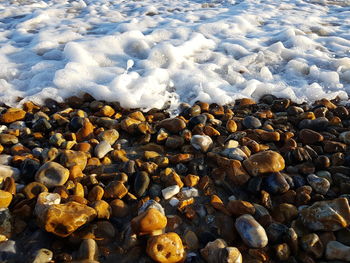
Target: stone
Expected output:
[8,171]
[319,184]
[110,136]
[8,139]
[333,147]
[63,219]
[115,189]
[42,255]
[5,199]
[239,207]
[251,232]
[276,183]
[102,208]
[33,189]
[211,250]
[119,208]
[86,131]
[337,251]
[234,153]
[231,126]
[308,136]
[264,162]
[201,142]
[312,244]
[191,240]
[52,174]
[173,125]
[345,137]
[12,115]
[141,183]
[170,191]
[88,250]
[166,248]
[70,158]
[102,149]
[251,122]
[330,215]
[149,222]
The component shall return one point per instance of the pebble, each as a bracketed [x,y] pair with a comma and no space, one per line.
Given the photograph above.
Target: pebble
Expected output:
[5,159]
[337,251]
[102,149]
[43,255]
[319,184]
[308,136]
[8,139]
[251,122]
[201,142]
[173,125]
[251,232]
[330,215]
[110,136]
[52,174]
[234,153]
[264,162]
[170,191]
[148,222]
[70,158]
[12,115]
[88,250]
[5,199]
[276,183]
[166,248]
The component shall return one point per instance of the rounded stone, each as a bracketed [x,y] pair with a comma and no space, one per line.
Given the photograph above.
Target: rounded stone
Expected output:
[251,232]
[12,115]
[173,125]
[308,136]
[251,122]
[141,183]
[276,183]
[110,136]
[33,189]
[119,208]
[43,255]
[166,248]
[345,137]
[102,209]
[264,162]
[319,184]
[234,153]
[5,199]
[201,142]
[88,250]
[52,174]
[148,222]
[102,149]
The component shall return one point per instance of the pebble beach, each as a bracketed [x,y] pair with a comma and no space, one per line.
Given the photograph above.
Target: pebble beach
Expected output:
[254,181]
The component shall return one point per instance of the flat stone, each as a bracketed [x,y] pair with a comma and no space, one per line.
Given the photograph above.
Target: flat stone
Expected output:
[166,248]
[327,215]
[308,136]
[52,174]
[234,153]
[264,162]
[170,191]
[251,232]
[319,184]
[12,115]
[63,219]
[337,251]
[251,122]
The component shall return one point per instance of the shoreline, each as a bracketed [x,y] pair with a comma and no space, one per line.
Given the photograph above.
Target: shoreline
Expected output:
[90,181]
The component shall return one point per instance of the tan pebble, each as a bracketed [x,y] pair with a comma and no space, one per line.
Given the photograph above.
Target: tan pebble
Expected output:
[130,125]
[75,172]
[12,115]
[29,106]
[119,155]
[264,162]
[191,180]
[115,189]
[85,132]
[210,131]
[62,191]
[181,158]
[79,190]
[231,126]
[1,148]
[33,189]
[78,199]
[102,208]
[148,222]
[106,111]
[239,207]
[217,203]
[83,147]
[173,125]
[166,248]
[71,158]
[96,193]
[119,208]
[5,199]
[191,240]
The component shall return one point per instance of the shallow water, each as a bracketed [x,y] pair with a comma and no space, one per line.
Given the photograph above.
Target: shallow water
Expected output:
[155,53]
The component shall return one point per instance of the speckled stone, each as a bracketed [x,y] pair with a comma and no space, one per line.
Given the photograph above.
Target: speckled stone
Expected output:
[251,232]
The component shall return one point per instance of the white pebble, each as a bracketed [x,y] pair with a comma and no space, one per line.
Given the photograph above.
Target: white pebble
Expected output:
[174,201]
[170,191]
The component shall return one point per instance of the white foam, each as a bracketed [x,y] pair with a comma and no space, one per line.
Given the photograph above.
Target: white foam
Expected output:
[151,54]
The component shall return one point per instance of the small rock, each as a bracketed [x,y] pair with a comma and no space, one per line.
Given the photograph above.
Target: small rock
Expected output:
[102,149]
[43,255]
[319,184]
[264,162]
[115,189]
[234,153]
[119,208]
[251,232]
[8,139]
[102,208]
[312,244]
[308,136]
[327,215]
[141,183]
[166,248]
[239,207]
[173,125]
[8,171]
[52,174]
[201,142]
[148,222]
[170,191]
[70,158]
[12,115]
[88,250]
[110,136]
[251,122]
[337,251]
[276,183]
